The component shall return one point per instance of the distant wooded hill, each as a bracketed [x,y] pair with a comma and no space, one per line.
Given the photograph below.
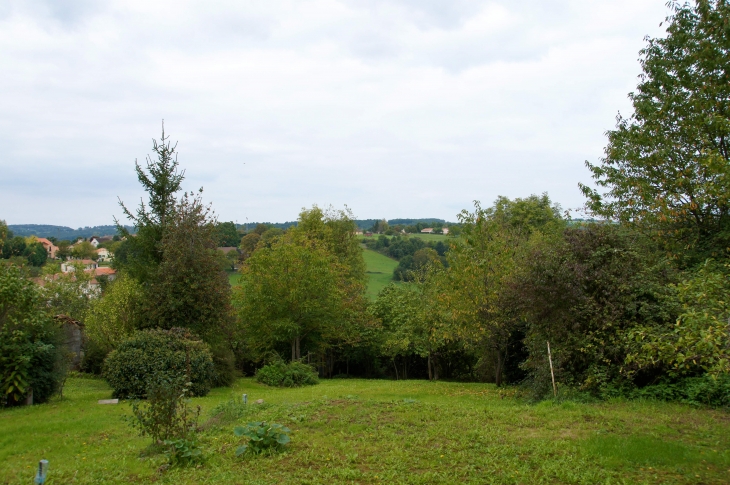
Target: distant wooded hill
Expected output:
[361,223]
[63,232]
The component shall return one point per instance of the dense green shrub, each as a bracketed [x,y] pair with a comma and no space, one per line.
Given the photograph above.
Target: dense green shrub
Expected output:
[705,390]
[30,350]
[293,374]
[584,294]
[172,353]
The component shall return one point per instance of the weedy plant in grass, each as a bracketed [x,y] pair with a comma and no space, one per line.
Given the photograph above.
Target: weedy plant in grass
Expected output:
[262,437]
[228,412]
[183,452]
[168,419]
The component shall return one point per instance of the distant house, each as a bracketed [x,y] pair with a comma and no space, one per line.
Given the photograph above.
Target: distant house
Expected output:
[49,247]
[110,273]
[94,241]
[368,233]
[104,255]
[445,230]
[106,239]
[427,230]
[68,266]
[358,233]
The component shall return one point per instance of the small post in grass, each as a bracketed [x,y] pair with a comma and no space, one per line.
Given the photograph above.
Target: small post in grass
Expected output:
[40,476]
[552,373]
[245,399]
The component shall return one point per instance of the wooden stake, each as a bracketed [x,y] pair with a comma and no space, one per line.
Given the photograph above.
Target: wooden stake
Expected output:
[552,373]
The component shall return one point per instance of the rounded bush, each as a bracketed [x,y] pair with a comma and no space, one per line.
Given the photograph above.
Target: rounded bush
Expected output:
[293,374]
[155,353]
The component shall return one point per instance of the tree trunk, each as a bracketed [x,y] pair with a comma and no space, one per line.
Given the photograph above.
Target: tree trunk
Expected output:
[396,369]
[294,350]
[434,363]
[428,364]
[299,352]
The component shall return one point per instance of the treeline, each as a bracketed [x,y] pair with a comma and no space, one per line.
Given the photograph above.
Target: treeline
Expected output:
[63,232]
[362,224]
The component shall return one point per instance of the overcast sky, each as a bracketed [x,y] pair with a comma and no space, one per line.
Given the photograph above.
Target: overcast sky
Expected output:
[397,108]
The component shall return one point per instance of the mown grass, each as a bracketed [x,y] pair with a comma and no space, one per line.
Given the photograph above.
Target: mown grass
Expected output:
[371,432]
[379,270]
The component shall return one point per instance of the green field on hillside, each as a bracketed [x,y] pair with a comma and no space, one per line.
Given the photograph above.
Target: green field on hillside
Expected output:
[379,271]
[425,237]
[347,431]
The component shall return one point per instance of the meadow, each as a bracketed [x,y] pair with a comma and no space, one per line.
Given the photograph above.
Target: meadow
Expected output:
[351,431]
[379,270]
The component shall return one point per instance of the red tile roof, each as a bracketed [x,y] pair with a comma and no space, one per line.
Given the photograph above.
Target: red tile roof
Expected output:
[105,271]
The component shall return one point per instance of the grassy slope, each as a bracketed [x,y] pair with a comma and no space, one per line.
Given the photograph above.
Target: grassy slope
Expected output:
[371,432]
[379,270]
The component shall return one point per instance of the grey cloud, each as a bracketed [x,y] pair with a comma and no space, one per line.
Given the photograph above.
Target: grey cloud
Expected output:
[397,108]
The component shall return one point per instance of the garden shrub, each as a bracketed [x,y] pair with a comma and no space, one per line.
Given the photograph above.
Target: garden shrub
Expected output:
[159,353]
[293,374]
[30,342]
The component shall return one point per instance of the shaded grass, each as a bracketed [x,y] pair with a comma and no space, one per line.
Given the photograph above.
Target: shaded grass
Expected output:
[379,270]
[358,431]
[233,277]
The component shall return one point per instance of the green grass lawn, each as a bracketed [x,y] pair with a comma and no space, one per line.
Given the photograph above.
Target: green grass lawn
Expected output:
[233,277]
[377,432]
[379,270]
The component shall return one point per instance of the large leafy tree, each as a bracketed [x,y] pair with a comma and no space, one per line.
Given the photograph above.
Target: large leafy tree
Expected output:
[227,234]
[481,266]
[113,318]
[290,293]
[335,230]
[305,287]
[666,166]
[583,292]
[189,289]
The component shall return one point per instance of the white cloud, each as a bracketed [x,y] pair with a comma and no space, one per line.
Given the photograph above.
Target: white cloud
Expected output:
[409,108]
